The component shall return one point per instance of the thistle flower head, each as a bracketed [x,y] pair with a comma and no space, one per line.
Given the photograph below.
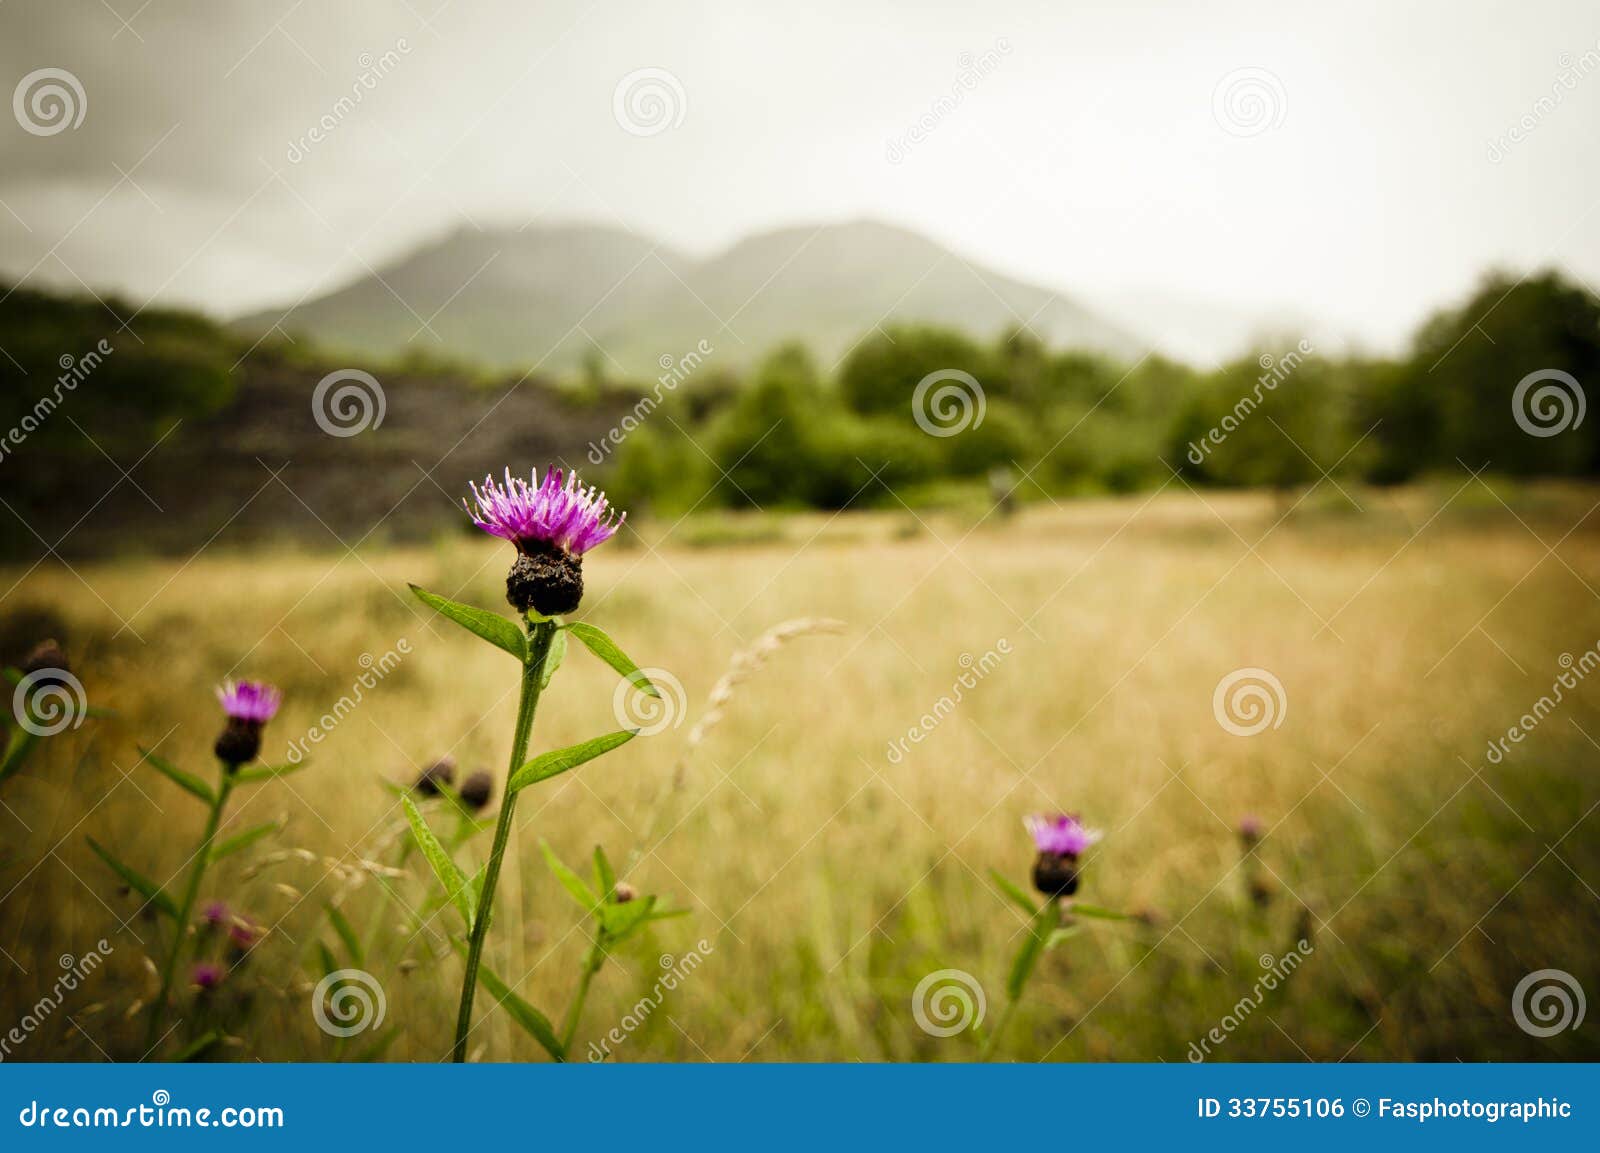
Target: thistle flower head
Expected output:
[555,512]
[253,701]
[1061,834]
[1250,829]
[476,790]
[441,772]
[214,913]
[206,975]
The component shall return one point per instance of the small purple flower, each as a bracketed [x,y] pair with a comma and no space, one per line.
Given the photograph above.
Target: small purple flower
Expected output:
[254,701]
[567,515]
[206,976]
[1250,829]
[1061,835]
[214,913]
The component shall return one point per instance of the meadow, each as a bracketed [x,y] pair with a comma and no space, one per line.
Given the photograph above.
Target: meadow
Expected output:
[830,862]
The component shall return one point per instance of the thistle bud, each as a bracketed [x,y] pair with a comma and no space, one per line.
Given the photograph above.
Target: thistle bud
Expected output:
[47,654]
[476,790]
[546,579]
[441,772]
[624,893]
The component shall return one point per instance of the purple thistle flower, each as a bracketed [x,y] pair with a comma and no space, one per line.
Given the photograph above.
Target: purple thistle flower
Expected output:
[206,975]
[567,515]
[1250,829]
[254,701]
[1061,835]
[214,913]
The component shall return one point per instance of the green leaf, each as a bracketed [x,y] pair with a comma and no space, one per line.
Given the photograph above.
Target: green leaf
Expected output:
[553,764]
[1061,935]
[1039,930]
[455,885]
[266,772]
[535,1023]
[186,781]
[242,840]
[22,742]
[620,921]
[199,1047]
[330,963]
[570,881]
[667,914]
[1014,891]
[606,649]
[553,658]
[492,627]
[1078,910]
[141,884]
[605,876]
[347,933]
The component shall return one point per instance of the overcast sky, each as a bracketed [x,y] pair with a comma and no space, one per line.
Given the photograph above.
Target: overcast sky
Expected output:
[1349,162]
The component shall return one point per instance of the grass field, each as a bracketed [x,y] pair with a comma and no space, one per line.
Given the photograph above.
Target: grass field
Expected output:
[828,876]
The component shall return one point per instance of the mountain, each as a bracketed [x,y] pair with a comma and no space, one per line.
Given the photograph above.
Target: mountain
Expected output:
[548,296]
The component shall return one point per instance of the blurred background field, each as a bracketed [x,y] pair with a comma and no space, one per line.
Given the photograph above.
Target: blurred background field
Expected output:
[1408,627]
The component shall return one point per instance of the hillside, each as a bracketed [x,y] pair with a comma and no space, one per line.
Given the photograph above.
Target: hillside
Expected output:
[547,296]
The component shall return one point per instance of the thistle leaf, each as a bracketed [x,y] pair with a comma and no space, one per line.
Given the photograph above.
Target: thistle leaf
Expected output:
[533,1022]
[258,773]
[22,742]
[186,781]
[455,884]
[1096,911]
[570,881]
[1014,891]
[605,876]
[553,658]
[492,627]
[242,840]
[553,764]
[199,1047]
[606,649]
[620,921]
[144,886]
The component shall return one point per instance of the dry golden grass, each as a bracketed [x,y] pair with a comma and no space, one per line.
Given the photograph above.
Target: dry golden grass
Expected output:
[828,877]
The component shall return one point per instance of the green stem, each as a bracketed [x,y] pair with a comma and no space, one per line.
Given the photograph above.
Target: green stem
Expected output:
[540,634]
[591,966]
[993,1038]
[197,870]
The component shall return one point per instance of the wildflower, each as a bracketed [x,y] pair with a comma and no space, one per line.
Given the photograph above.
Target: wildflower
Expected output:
[206,976]
[243,935]
[441,772]
[1060,839]
[476,790]
[624,893]
[214,914]
[249,705]
[553,524]
[1250,830]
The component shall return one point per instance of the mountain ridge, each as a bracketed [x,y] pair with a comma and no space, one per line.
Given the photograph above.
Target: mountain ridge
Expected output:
[556,296]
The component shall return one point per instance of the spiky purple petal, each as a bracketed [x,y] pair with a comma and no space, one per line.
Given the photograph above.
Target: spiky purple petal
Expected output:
[567,515]
[254,701]
[1061,833]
